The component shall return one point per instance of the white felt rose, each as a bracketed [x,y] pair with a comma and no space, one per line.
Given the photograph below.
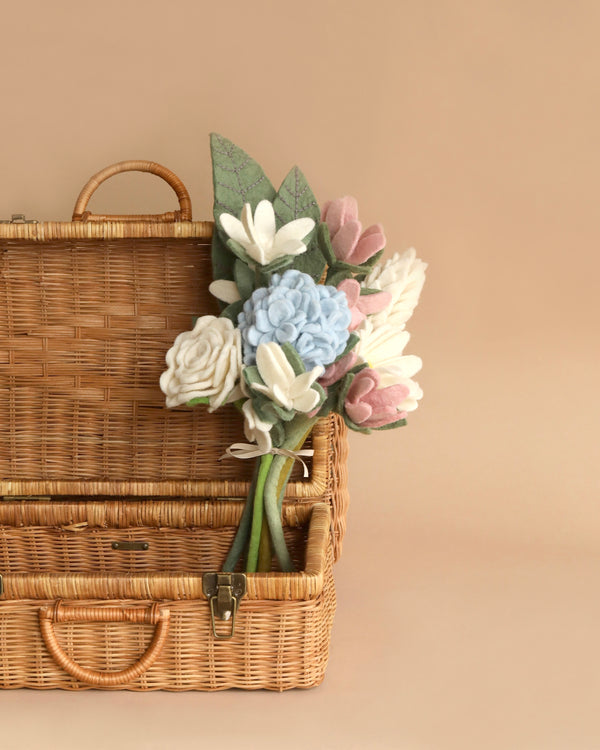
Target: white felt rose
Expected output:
[381,347]
[257,234]
[282,385]
[203,363]
[402,276]
[255,429]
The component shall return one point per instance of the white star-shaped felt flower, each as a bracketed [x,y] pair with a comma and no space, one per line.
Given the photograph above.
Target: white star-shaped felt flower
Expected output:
[282,385]
[257,234]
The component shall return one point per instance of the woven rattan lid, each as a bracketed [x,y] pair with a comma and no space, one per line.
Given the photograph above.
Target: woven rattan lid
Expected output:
[88,309]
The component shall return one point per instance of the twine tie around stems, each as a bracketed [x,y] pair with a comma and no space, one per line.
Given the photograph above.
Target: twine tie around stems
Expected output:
[250,450]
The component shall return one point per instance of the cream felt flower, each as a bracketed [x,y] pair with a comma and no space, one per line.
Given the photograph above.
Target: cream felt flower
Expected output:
[402,276]
[205,362]
[224,290]
[282,385]
[381,347]
[255,430]
[257,234]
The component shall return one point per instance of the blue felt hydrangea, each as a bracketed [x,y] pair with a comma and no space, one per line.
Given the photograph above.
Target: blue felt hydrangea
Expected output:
[313,318]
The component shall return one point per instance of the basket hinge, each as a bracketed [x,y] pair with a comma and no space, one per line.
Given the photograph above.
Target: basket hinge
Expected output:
[224,591]
[1,585]
[18,219]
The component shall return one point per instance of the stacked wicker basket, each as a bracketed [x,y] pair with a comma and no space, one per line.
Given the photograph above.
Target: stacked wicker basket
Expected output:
[116,513]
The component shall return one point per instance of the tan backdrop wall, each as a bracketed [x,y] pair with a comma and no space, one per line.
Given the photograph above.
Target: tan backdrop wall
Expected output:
[469,129]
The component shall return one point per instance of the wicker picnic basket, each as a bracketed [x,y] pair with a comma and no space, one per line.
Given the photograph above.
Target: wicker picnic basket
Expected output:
[116,514]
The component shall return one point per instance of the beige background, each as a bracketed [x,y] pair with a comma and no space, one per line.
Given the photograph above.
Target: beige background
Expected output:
[470,130]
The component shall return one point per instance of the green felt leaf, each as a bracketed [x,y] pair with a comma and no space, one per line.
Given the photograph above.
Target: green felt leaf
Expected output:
[373,260]
[222,259]
[199,400]
[365,290]
[295,200]
[293,358]
[392,425]
[244,279]
[239,252]
[237,179]
[278,264]
[232,311]
[319,389]
[252,375]
[277,434]
[311,262]
[355,427]
[353,340]
[269,411]
[341,264]
[330,402]
[336,275]
[324,242]
[345,384]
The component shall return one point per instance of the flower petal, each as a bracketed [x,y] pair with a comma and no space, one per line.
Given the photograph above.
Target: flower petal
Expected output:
[291,247]
[294,230]
[224,290]
[345,240]
[273,366]
[374,303]
[264,224]
[304,381]
[351,289]
[234,228]
[307,401]
[339,211]
[370,243]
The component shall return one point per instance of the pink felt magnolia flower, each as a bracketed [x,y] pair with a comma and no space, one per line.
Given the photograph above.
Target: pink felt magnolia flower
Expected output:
[338,369]
[361,306]
[367,405]
[350,244]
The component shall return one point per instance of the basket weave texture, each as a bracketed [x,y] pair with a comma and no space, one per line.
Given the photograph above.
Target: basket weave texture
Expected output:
[283,624]
[90,456]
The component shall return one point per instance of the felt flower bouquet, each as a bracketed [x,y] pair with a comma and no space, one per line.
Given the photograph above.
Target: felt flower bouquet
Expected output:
[311,324]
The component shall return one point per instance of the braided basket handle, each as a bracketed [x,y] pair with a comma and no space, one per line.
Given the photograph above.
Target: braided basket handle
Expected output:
[61,613]
[185,205]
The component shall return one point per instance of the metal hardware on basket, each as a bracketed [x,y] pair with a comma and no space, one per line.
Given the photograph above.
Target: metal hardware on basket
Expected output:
[1,586]
[131,546]
[224,591]
[18,219]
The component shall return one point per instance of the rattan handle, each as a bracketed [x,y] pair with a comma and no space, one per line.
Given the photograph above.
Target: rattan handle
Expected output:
[61,613]
[185,204]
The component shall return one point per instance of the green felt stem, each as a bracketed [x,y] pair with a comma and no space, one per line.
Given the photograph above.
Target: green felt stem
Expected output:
[243,532]
[257,514]
[264,549]
[296,433]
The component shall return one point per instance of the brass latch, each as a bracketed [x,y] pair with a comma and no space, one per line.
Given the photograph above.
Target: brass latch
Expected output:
[224,591]
[18,219]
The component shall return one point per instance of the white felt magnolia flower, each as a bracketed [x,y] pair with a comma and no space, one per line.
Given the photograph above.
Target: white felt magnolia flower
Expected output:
[282,385]
[203,363]
[403,277]
[255,429]
[257,235]
[381,347]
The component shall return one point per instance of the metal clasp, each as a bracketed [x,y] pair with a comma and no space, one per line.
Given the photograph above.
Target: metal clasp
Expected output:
[224,591]
[131,546]
[18,219]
